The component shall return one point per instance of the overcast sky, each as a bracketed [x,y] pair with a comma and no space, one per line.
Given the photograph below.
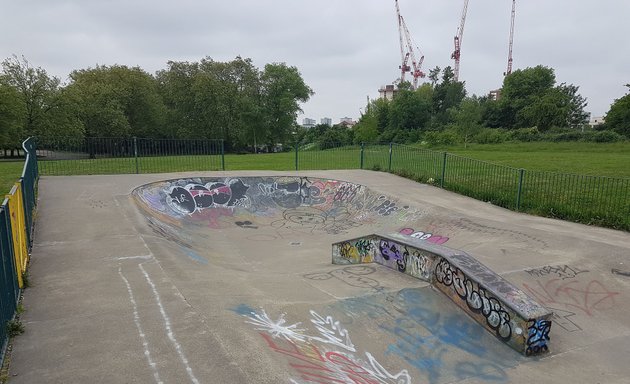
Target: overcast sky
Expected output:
[345,49]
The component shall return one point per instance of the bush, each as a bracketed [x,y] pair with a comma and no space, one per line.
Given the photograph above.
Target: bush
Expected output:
[526,134]
[491,136]
[607,137]
[443,138]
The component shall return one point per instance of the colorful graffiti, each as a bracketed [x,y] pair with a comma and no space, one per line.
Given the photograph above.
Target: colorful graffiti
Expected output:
[323,355]
[409,260]
[284,205]
[195,197]
[537,336]
[439,342]
[428,236]
[357,252]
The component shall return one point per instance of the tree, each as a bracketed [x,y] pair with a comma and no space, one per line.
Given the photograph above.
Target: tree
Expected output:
[282,90]
[38,93]
[11,115]
[446,95]
[529,97]
[410,109]
[467,119]
[434,75]
[576,115]
[618,117]
[118,101]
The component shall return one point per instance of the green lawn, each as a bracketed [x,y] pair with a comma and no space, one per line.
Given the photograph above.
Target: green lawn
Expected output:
[599,159]
[10,172]
[553,183]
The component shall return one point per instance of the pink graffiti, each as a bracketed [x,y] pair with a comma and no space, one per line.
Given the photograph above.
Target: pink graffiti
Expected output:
[428,236]
[317,367]
[588,298]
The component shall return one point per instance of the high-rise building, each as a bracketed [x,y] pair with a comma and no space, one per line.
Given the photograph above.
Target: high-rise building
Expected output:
[308,123]
[387,91]
[326,121]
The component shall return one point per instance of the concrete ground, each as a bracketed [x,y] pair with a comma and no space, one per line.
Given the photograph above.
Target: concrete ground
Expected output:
[112,300]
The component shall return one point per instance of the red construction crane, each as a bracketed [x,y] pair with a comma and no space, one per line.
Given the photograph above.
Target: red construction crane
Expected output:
[456,55]
[407,52]
[509,66]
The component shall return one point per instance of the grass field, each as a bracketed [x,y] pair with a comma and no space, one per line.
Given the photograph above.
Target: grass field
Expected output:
[599,159]
[554,182]
[10,172]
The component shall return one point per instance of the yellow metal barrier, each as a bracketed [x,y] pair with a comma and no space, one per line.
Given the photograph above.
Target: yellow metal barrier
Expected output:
[18,228]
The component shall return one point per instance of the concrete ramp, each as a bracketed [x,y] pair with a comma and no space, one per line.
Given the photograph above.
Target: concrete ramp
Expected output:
[500,307]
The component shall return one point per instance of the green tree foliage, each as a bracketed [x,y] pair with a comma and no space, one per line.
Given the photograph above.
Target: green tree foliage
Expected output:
[446,95]
[11,117]
[233,101]
[43,105]
[618,117]
[467,119]
[282,90]
[117,101]
[530,97]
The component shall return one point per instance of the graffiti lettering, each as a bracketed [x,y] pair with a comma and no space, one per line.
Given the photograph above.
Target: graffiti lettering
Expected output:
[196,197]
[537,336]
[561,271]
[476,298]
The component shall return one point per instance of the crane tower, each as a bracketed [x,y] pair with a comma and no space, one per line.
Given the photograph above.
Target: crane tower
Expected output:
[509,65]
[407,52]
[456,55]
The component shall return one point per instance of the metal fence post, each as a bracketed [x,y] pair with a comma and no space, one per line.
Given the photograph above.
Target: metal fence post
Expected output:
[519,192]
[135,153]
[389,168]
[222,155]
[443,170]
[362,150]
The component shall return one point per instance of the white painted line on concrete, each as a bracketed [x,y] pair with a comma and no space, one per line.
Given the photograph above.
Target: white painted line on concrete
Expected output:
[136,319]
[143,257]
[167,325]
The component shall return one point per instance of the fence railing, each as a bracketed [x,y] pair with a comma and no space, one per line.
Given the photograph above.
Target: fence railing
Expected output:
[16,224]
[80,156]
[588,199]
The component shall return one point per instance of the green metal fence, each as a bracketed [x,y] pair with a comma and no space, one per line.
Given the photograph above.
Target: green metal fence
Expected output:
[15,242]
[588,199]
[82,156]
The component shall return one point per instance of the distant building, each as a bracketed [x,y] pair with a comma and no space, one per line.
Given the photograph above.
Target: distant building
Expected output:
[308,123]
[347,122]
[387,92]
[495,94]
[595,121]
[326,121]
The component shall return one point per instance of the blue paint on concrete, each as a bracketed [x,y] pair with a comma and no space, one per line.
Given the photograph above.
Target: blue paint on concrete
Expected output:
[195,256]
[243,310]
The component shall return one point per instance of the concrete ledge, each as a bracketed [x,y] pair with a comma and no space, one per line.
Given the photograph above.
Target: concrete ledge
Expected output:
[500,307]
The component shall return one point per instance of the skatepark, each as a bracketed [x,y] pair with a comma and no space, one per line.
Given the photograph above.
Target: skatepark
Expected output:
[221,277]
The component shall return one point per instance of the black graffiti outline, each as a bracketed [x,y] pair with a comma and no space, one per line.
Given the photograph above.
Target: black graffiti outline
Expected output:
[562,271]
[477,300]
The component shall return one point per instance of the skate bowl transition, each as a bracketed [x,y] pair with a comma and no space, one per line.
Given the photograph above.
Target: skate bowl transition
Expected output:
[341,276]
[332,207]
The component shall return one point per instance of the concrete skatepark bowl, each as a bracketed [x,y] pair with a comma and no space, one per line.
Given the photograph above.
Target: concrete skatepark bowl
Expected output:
[227,278]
